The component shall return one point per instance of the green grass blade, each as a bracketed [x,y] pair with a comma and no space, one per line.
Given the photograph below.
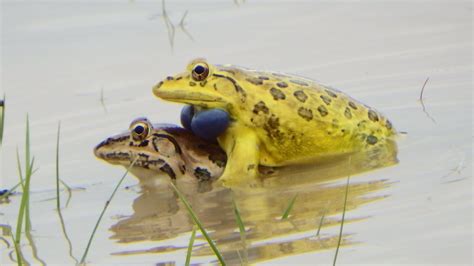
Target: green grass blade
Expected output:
[19,255]
[24,204]
[69,192]
[238,219]
[199,224]
[342,222]
[27,186]
[20,172]
[240,223]
[190,247]
[107,203]
[27,144]
[59,180]
[288,209]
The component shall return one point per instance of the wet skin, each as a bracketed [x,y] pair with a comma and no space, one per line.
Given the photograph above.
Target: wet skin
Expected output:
[276,119]
[166,149]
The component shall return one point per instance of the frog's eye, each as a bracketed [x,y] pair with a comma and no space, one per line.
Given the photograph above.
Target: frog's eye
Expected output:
[140,131]
[200,71]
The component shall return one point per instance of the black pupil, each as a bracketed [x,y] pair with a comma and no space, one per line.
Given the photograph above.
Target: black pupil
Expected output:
[199,70]
[139,129]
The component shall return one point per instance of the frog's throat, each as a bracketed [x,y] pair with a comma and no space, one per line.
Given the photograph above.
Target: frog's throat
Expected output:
[194,98]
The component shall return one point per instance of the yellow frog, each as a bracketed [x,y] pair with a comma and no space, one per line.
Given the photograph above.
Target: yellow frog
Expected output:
[278,119]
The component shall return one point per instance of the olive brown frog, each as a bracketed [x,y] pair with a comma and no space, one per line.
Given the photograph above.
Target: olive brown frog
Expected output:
[166,149]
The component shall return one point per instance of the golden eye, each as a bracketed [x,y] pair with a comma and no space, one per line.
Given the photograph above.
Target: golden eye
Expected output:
[200,71]
[140,130]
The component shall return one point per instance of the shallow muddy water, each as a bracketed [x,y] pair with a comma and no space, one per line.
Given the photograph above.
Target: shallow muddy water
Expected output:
[92,65]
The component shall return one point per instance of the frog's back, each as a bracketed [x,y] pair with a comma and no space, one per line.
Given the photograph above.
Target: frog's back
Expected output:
[299,118]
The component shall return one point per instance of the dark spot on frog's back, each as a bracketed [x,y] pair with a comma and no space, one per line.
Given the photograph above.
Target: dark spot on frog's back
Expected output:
[326,99]
[353,105]
[272,127]
[282,84]
[373,116]
[322,110]
[255,81]
[388,125]
[277,94]
[263,77]
[371,139]
[331,93]
[202,174]
[305,113]
[347,113]
[169,78]
[274,122]
[299,82]
[260,107]
[192,83]
[300,96]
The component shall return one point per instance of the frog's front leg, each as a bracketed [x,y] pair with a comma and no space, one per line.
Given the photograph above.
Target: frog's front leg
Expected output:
[242,147]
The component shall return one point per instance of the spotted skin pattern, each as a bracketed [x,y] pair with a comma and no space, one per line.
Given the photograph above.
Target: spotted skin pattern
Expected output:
[167,149]
[286,119]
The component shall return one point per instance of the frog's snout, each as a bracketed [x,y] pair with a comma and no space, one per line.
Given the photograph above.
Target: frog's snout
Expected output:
[99,149]
[156,88]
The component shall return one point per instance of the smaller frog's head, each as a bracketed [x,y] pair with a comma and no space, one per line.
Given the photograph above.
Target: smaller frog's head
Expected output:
[202,84]
[155,149]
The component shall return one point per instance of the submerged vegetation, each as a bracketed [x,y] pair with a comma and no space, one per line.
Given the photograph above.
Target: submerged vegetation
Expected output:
[288,209]
[107,203]
[199,225]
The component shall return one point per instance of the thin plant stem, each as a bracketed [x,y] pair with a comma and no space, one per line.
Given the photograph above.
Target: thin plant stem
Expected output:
[240,223]
[19,255]
[199,225]
[288,209]
[190,246]
[68,190]
[320,223]
[63,228]
[107,203]
[423,89]
[342,222]
[24,205]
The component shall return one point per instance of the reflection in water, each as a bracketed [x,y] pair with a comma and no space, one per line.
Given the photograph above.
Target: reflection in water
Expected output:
[159,215]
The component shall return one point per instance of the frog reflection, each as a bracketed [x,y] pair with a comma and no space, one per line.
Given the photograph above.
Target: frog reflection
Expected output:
[159,215]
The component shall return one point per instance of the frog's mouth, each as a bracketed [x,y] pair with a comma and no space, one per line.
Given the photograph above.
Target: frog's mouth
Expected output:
[185,96]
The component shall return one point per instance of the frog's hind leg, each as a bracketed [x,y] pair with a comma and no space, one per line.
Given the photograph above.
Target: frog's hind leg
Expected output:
[242,147]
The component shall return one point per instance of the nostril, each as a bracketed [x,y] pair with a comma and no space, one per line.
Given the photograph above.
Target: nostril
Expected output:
[159,85]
